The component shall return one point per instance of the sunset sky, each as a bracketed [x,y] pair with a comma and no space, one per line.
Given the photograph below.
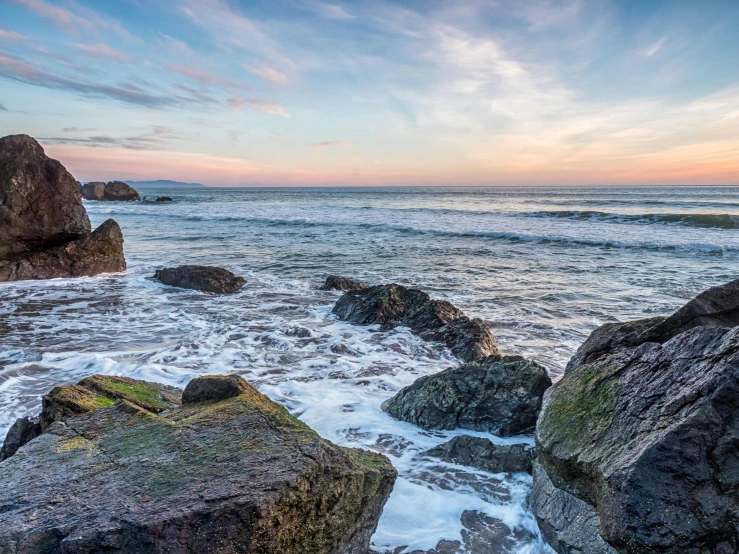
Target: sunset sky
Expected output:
[237,92]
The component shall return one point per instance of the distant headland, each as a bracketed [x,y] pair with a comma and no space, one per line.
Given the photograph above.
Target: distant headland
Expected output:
[165,183]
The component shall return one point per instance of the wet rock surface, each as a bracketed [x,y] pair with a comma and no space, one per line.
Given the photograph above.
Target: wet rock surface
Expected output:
[40,203]
[334,282]
[163,199]
[435,320]
[717,306]
[482,453]
[647,439]
[235,475]
[198,277]
[44,228]
[98,252]
[499,394]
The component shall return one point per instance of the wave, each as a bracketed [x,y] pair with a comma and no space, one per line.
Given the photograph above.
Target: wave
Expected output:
[706,221]
[493,235]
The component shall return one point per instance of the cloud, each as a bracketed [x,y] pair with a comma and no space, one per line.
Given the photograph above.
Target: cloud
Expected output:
[337,143]
[653,48]
[206,77]
[269,74]
[3,108]
[10,36]
[76,130]
[159,136]
[19,70]
[103,51]
[328,11]
[77,18]
[265,106]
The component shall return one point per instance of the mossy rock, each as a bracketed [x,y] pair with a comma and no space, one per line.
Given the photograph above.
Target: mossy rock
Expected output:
[235,474]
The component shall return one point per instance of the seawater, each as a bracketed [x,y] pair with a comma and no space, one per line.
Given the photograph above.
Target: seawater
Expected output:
[543,266]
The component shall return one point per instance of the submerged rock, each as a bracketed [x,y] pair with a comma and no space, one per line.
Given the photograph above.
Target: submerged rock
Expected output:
[435,320]
[642,446]
[44,229]
[499,394]
[481,453]
[334,282]
[718,306]
[200,277]
[40,204]
[98,252]
[163,199]
[233,475]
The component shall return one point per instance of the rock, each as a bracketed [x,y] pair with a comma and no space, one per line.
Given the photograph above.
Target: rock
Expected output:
[98,252]
[163,199]
[22,431]
[498,394]
[718,306]
[570,525]
[334,282]
[481,453]
[97,391]
[434,320]
[213,388]
[119,191]
[93,191]
[235,475]
[648,437]
[200,277]
[40,204]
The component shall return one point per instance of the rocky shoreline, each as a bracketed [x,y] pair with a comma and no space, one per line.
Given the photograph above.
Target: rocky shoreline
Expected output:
[636,447]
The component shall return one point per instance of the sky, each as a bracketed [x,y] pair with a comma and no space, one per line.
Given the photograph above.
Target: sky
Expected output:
[319,93]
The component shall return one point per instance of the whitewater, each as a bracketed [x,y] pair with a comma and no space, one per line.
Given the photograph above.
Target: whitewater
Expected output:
[542,266]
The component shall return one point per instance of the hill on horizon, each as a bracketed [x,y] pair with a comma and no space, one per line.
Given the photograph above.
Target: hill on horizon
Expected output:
[164,183]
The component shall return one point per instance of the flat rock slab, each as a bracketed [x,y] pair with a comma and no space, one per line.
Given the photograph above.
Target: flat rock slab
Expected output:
[433,320]
[199,277]
[236,475]
[499,394]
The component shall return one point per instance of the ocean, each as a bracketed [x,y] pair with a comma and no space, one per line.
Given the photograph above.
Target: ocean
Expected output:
[543,266]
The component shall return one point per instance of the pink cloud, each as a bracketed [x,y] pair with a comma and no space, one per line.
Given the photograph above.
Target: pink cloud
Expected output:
[269,74]
[265,106]
[205,77]
[338,143]
[10,36]
[103,51]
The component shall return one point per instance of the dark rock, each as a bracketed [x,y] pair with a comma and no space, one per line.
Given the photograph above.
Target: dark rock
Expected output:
[435,320]
[213,388]
[239,475]
[481,453]
[163,199]
[334,282]
[93,191]
[22,431]
[648,437]
[40,203]
[119,191]
[717,306]
[199,277]
[98,252]
[499,394]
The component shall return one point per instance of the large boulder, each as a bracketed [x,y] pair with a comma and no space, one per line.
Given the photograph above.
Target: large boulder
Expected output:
[641,447]
[717,306]
[40,204]
[482,453]
[435,320]
[200,277]
[334,282]
[44,229]
[119,191]
[498,394]
[233,474]
[98,252]
[93,191]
